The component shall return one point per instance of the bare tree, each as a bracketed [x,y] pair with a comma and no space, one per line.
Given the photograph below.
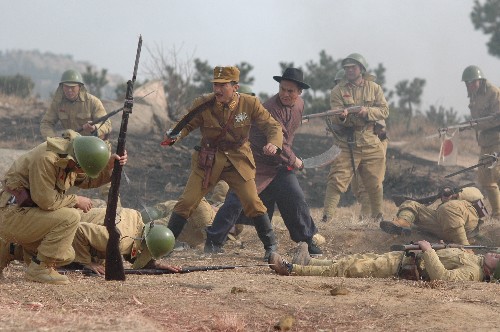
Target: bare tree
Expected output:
[177,75]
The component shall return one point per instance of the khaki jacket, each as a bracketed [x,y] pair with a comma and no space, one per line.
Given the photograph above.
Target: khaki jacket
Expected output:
[370,95]
[453,264]
[73,115]
[247,111]
[43,172]
[484,103]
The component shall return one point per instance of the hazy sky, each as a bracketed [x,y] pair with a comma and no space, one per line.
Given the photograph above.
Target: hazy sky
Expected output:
[431,39]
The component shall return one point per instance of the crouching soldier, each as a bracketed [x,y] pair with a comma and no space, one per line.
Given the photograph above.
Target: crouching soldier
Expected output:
[140,244]
[36,212]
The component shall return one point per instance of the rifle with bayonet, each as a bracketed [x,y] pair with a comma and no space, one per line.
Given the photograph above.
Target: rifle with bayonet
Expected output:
[488,160]
[469,124]
[350,110]
[428,200]
[187,269]
[437,246]
[114,261]
[110,114]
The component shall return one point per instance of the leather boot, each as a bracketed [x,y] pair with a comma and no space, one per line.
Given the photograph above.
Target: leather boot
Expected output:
[266,234]
[176,224]
[41,272]
[397,226]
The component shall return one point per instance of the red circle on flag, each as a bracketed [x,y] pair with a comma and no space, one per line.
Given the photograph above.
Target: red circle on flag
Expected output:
[447,147]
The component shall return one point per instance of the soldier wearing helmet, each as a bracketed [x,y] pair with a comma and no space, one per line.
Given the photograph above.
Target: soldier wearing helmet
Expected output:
[357,137]
[74,108]
[36,211]
[357,187]
[484,100]
[142,244]
[456,220]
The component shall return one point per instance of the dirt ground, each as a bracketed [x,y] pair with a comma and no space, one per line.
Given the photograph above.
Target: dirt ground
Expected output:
[249,298]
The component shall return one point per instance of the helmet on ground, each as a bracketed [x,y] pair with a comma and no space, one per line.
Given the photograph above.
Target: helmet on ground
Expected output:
[339,75]
[472,73]
[71,77]
[91,153]
[159,239]
[246,90]
[355,59]
[150,213]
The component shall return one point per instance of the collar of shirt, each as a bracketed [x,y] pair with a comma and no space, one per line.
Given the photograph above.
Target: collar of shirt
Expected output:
[231,105]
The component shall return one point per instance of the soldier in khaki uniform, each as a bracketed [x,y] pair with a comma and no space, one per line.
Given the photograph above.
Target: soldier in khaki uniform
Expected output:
[91,239]
[359,143]
[36,212]
[224,121]
[456,220]
[451,264]
[73,107]
[357,187]
[484,100]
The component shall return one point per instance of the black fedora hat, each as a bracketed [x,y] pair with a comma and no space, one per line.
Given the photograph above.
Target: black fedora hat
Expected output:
[294,75]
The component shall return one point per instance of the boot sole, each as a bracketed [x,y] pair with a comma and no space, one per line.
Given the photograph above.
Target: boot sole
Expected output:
[390,228]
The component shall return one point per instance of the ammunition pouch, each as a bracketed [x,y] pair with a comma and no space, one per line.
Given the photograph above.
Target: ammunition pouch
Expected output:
[480,208]
[22,197]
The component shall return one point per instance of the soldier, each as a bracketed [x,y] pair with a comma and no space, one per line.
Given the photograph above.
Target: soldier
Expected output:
[484,100]
[224,119]
[452,264]
[276,181]
[36,212]
[142,245]
[357,187]
[73,107]
[456,220]
[357,138]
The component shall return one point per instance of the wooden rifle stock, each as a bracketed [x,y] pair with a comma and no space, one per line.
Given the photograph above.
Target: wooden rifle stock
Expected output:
[114,261]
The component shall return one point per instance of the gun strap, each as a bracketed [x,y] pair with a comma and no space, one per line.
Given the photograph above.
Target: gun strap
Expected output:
[350,143]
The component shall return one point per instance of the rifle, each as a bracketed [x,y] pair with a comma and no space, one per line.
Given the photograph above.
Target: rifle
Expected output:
[187,269]
[428,200]
[350,110]
[462,126]
[437,246]
[114,260]
[110,114]
[489,160]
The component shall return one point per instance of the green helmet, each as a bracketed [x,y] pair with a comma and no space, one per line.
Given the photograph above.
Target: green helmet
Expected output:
[91,153]
[159,239]
[355,58]
[71,76]
[339,75]
[246,90]
[150,213]
[472,73]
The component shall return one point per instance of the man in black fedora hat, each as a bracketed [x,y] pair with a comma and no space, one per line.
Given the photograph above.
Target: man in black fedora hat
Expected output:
[275,177]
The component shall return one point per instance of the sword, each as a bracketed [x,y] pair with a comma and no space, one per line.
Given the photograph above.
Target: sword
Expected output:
[323,159]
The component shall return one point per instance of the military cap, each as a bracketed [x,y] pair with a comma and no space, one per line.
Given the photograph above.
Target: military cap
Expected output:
[226,74]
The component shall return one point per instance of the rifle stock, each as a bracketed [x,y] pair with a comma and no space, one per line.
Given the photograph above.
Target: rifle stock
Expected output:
[114,262]
[437,246]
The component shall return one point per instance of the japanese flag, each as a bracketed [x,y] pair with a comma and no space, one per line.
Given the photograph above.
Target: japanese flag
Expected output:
[449,149]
